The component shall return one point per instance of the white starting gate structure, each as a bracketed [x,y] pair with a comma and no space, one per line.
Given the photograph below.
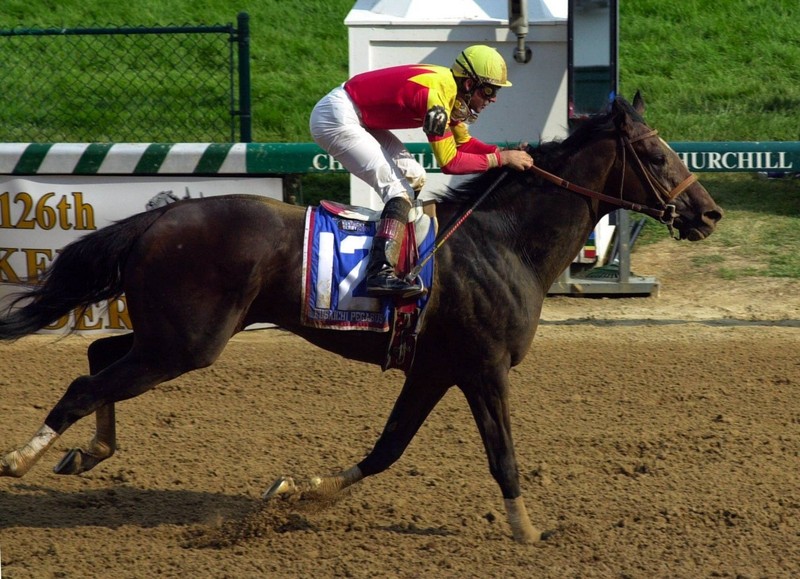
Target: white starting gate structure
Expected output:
[562,62]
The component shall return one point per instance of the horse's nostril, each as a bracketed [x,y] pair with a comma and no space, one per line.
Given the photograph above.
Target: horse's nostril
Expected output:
[712,216]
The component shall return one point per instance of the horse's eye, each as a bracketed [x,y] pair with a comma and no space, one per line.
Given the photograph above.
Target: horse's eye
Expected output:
[659,160]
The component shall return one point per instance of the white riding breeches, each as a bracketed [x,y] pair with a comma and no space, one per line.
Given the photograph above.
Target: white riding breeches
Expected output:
[377,157]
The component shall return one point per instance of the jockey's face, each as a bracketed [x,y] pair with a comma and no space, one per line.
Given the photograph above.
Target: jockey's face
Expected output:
[482,96]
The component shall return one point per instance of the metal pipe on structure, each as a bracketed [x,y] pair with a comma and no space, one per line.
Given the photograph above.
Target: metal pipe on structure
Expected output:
[518,24]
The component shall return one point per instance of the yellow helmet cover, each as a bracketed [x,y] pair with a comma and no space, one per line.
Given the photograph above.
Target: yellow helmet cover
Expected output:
[483,64]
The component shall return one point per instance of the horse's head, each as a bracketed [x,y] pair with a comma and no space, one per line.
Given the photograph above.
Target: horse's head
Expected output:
[655,177]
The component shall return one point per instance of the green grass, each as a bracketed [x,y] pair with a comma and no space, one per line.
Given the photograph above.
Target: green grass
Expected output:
[709,71]
[298,49]
[760,233]
[714,71]
[724,71]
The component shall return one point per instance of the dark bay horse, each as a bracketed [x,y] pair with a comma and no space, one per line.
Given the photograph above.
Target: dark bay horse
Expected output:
[196,272]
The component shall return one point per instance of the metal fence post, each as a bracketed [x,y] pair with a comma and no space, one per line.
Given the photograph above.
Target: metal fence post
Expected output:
[245,113]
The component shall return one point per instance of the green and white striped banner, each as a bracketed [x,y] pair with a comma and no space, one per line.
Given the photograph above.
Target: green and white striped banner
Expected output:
[122,158]
[287,158]
[164,159]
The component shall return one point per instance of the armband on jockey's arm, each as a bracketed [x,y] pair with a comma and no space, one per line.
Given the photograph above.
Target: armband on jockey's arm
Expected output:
[494,159]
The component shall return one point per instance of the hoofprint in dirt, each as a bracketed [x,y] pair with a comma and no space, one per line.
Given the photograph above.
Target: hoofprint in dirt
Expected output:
[657,437]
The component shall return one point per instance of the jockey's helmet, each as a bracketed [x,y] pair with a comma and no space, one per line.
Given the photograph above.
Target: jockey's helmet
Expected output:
[483,64]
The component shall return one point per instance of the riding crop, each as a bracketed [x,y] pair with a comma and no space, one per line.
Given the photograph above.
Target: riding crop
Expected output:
[412,275]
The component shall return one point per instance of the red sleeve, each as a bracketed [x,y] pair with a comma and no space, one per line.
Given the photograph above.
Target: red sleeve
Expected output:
[477,147]
[471,156]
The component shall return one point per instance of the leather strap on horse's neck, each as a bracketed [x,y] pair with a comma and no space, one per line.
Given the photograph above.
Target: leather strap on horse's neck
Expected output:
[563,183]
[664,215]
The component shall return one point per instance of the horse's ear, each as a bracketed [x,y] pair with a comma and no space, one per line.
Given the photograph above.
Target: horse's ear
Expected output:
[620,113]
[638,103]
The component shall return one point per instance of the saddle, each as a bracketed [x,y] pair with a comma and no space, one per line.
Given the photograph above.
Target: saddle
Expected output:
[337,242]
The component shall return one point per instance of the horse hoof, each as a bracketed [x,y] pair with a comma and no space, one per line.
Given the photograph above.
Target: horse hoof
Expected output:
[7,468]
[282,486]
[71,463]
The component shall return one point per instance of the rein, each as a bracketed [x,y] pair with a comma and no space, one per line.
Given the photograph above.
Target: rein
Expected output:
[666,214]
[440,239]
[564,184]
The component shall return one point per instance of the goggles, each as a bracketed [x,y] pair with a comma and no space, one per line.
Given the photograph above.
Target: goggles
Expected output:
[488,90]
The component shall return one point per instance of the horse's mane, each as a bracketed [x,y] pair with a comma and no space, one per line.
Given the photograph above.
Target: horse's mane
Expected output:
[550,155]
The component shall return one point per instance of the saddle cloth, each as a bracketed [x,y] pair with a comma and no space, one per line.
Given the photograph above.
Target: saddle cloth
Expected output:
[338,238]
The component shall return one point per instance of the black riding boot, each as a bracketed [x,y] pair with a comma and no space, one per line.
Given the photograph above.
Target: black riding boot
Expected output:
[381,277]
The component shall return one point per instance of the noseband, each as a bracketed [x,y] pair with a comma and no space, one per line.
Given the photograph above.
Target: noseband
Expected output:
[665,213]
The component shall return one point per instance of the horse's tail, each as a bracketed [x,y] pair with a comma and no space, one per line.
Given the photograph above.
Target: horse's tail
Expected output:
[87,271]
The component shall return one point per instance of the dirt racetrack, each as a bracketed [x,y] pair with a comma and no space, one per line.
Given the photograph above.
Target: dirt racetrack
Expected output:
[657,437]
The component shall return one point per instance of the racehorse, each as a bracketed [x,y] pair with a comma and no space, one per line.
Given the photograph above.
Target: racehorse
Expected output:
[196,272]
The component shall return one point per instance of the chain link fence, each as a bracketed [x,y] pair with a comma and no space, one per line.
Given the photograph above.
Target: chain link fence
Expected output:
[127,84]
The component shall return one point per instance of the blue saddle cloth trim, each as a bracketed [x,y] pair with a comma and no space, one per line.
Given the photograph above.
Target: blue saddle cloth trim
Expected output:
[334,274]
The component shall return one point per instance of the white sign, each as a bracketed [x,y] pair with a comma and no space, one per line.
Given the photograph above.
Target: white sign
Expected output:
[39,215]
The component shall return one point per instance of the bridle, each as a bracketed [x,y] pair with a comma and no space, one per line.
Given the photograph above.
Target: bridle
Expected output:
[665,213]
[664,195]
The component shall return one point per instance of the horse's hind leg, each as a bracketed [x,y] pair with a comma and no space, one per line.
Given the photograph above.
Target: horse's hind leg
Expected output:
[102,353]
[18,462]
[101,447]
[134,374]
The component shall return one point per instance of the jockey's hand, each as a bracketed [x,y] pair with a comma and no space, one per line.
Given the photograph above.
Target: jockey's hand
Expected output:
[516,159]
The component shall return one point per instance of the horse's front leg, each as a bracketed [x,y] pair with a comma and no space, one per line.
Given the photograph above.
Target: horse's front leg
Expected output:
[487,395]
[412,407]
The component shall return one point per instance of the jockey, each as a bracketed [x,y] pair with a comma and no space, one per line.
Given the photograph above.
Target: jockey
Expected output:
[353,123]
